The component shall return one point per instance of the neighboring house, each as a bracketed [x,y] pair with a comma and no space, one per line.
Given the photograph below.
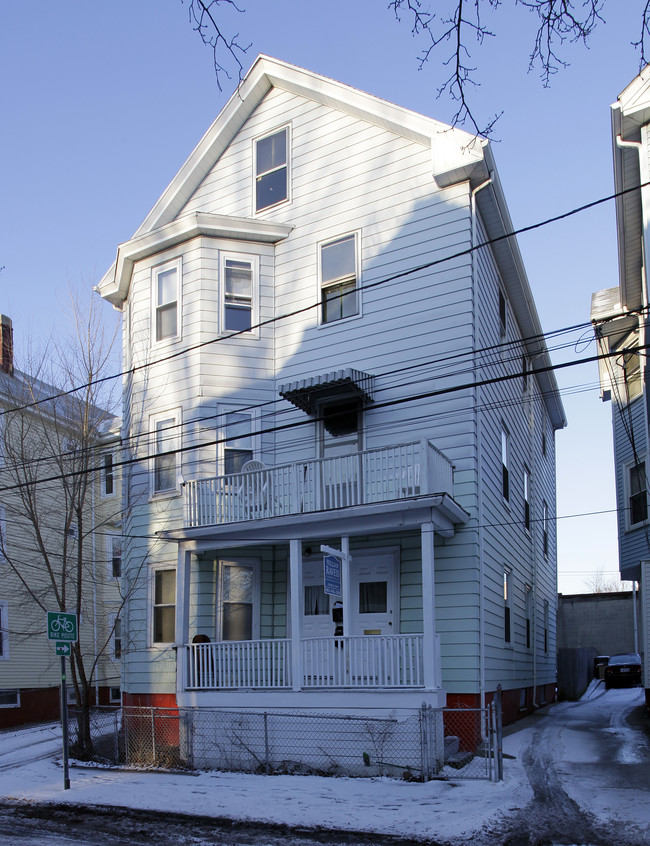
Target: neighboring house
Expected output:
[33,443]
[604,622]
[295,381]
[620,318]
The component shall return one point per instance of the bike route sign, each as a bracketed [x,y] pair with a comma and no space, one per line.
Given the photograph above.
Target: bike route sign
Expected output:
[61,627]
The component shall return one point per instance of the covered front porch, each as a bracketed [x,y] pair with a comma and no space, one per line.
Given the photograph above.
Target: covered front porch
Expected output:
[253,616]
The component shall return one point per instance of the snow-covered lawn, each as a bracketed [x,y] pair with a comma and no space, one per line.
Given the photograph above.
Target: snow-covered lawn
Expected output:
[442,809]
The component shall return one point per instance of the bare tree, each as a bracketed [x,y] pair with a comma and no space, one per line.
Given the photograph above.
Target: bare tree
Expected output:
[598,582]
[452,31]
[52,431]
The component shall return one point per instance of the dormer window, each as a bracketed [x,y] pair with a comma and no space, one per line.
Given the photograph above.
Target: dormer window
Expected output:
[271,170]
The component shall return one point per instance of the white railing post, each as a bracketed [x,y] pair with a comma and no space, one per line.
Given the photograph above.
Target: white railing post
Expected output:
[295,579]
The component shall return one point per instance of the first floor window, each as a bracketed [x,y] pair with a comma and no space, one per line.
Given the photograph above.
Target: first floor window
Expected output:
[164,606]
[529,617]
[338,267]
[238,446]
[237,600]
[507,630]
[4,630]
[637,494]
[546,626]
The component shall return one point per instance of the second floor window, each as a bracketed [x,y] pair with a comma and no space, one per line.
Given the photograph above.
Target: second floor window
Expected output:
[165,454]
[165,298]
[545,528]
[238,447]
[637,494]
[338,266]
[505,473]
[271,170]
[115,556]
[107,474]
[527,500]
[238,295]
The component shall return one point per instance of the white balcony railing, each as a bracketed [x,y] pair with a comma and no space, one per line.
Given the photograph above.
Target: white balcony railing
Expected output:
[368,661]
[361,478]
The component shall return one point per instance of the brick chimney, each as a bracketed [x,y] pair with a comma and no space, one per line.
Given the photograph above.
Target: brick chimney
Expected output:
[6,345]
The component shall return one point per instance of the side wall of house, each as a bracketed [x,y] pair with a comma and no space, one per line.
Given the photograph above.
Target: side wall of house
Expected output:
[630,446]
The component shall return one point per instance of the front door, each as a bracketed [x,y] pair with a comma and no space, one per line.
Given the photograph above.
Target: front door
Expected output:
[373,581]
[317,626]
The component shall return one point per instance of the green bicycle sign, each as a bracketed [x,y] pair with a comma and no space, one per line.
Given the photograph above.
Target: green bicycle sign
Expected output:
[62,627]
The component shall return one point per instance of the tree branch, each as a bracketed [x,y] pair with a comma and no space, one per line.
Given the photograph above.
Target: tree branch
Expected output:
[203,17]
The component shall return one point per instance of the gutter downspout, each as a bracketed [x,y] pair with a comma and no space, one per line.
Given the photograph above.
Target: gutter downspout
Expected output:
[479,446]
[92,529]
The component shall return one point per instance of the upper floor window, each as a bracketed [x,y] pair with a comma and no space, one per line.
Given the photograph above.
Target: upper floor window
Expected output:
[239,292]
[116,637]
[505,473]
[529,616]
[637,494]
[108,480]
[114,556]
[545,528]
[507,625]
[546,621]
[527,500]
[272,169]
[238,446]
[164,435]
[503,315]
[338,270]
[166,288]
[628,368]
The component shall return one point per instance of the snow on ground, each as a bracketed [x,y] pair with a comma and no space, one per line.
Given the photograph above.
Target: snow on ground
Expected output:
[439,809]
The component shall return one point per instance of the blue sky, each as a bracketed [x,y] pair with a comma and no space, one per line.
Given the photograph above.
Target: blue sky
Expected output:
[101,103]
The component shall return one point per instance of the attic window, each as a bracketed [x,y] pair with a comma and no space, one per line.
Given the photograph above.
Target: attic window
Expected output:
[271,170]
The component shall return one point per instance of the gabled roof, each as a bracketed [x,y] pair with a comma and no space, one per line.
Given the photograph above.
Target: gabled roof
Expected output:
[456,153]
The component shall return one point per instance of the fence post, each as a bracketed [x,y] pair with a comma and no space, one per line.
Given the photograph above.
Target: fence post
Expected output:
[266,744]
[153,737]
[423,744]
[117,738]
[499,737]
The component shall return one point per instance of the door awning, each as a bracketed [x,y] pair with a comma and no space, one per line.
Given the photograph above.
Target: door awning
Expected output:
[308,394]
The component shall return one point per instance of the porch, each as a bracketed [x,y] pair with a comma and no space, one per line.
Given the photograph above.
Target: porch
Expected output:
[342,662]
[394,473]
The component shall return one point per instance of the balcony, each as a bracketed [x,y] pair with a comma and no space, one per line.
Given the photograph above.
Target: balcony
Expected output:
[376,662]
[362,478]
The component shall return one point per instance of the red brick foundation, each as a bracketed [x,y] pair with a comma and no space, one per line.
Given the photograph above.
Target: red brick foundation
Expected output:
[511,701]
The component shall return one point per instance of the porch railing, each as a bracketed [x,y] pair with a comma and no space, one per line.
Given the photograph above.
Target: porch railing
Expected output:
[231,665]
[363,661]
[361,478]
[375,661]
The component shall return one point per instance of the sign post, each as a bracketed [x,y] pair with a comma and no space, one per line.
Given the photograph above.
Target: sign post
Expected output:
[62,628]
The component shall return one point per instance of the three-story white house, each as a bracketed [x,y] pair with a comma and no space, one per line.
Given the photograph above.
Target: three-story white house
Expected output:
[320,354]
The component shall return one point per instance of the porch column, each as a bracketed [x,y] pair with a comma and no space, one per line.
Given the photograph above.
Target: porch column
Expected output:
[346,598]
[295,587]
[429,656]
[182,632]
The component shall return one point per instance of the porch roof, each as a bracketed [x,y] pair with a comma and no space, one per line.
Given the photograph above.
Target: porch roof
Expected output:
[440,509]
[349,383]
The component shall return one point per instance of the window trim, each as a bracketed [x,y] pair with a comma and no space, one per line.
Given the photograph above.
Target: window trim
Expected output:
[222,445]
[254,260]
[628,467]
[160,644]
[105,475]
[110,538]
[4,631]
[175,438]
[177,264]
[288,140]
[356,234]
[255,564]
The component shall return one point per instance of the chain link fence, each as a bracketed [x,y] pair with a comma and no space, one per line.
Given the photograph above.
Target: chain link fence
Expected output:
[418,746]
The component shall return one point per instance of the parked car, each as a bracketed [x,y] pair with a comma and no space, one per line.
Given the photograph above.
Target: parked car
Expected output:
[623,669]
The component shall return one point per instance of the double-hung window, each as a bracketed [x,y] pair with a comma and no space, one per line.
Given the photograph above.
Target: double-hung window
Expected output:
[166,290]
[238,444]
[239,275]
[4,630]
[238,593]
[114,543]
[338,271]
[272,169]
[505,473]
[164,606]
[116,637]
[165,429]
[529,616]
[545,528]
[527,500]
[507,623]
[637,494]
[108,479]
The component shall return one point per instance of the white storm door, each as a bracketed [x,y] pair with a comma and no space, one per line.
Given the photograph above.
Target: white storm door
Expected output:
[373,594]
